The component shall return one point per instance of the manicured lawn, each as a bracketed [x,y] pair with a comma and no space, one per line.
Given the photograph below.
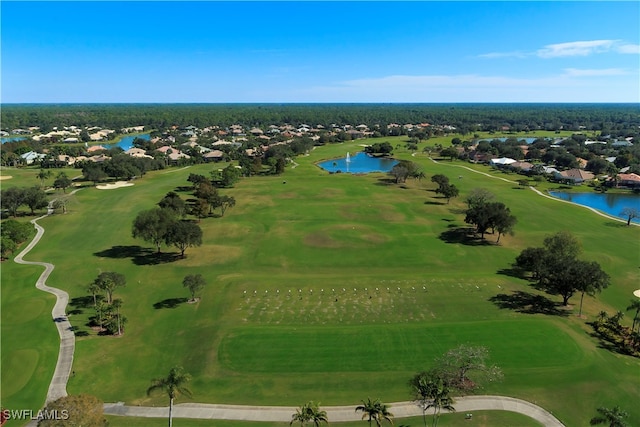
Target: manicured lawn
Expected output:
[336,287]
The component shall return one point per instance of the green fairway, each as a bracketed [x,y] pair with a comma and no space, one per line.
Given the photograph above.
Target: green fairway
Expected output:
[327,287]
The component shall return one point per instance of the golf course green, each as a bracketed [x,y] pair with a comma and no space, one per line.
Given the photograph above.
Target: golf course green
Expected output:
[324,287]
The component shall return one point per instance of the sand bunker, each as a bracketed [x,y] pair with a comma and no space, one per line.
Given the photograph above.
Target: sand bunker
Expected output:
[637,293]
[3,177]
[118,184]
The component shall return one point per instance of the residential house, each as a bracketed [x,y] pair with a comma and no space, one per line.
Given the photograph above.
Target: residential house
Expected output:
[32,156]
[575,176]
[631,180]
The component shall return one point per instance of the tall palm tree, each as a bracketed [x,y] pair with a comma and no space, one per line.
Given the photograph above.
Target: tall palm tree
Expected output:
[635,305]
[612,417]
[309,412]
[376,411]
[173,385]
[441,399]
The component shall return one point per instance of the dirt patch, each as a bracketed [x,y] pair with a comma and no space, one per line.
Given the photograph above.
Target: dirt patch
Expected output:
[113,186]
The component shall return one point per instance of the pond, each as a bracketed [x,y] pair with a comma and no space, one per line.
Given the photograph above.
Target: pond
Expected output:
[528,140]
[127,141]
[611,204]
[360,162]
[11,138]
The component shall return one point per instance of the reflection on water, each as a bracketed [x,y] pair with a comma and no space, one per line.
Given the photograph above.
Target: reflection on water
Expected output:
[360,162]
[609,203]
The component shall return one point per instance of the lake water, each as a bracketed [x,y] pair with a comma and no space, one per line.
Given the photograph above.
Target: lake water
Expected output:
[611,204]
[127,141]
[528,140]
[11,139]
[359,162]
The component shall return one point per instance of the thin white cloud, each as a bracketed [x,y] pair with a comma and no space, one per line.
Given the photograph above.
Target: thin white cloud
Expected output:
[571,85]
[575,72]
[628,48]
[493,55]
[579,48]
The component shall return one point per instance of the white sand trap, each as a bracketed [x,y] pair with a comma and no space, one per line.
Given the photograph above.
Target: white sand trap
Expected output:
[3,177]
[118,184]
[637,293]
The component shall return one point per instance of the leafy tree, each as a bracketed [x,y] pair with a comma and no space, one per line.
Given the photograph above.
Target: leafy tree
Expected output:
[450,152]
[206,191]
[309,412]
[152,225]
[173,202]
[195,283]
[183,235]
[94,172]
[493,215]
[597,165]
[173,385]
[448,191]
[399,173]
[196,179]
[7,246]
[35,198]
[82,411]
[440,179]
[376,411]
[590,279]
[457,365]
[199,208]
[12,198]
[16,231]
[612,417]
[62,181]
[225,202]
[479,196]
[630,213]
[383,148]
[230,175]
[532,259]
[108,281]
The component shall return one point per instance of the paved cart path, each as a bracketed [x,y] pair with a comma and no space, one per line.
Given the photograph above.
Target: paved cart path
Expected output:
[334,413]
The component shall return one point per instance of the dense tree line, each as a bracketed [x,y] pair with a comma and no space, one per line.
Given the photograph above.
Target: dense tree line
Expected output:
[13,198]
[616,119]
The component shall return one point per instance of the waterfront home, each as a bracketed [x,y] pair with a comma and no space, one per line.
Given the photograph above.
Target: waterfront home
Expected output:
[574,176]
[631,180]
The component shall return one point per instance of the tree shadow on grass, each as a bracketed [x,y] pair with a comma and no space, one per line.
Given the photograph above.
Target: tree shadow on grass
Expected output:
[433,202]
[463,235]
[169,303]
[528,303]
[138,254]
[615,224]
[83,302]
[386,182]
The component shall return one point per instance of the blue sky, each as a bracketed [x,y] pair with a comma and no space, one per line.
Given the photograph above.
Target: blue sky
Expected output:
[298,51]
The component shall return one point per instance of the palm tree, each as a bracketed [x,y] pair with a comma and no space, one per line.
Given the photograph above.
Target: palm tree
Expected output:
[116,304]
[635,305]
[376,411]
[309,412]
[439,393]
[42,175]
[95,290]
[612,417]
[173,385]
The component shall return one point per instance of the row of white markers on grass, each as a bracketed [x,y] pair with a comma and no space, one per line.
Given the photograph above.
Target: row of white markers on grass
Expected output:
[333,291]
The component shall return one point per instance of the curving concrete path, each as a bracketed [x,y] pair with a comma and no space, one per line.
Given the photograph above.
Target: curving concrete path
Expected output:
[334,413]
[539,192]
[58,385]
